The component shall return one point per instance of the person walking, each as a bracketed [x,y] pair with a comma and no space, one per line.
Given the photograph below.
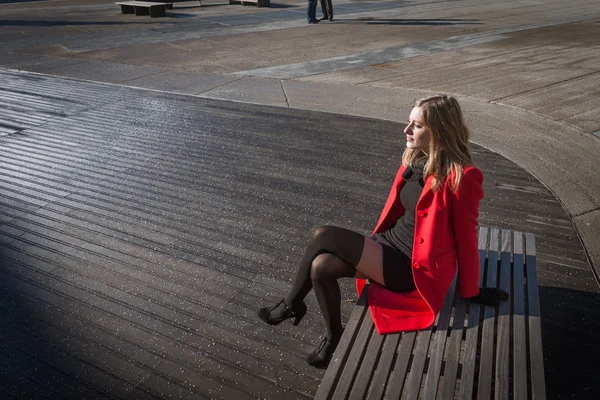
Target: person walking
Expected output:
[327,9]
[312,12]
[428,225]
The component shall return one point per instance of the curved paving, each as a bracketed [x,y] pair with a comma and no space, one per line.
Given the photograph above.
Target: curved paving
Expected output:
[527,75]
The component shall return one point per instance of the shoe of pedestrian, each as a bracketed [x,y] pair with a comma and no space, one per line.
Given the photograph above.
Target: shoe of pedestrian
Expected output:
[314,21]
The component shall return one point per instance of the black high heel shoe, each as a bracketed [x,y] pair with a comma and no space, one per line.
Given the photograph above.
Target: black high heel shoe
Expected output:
[321,356]
[297,311]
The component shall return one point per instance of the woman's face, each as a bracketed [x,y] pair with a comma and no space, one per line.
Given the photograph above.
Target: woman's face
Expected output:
[417,134]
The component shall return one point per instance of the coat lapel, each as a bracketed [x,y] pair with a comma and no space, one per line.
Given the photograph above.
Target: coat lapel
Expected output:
[427,193]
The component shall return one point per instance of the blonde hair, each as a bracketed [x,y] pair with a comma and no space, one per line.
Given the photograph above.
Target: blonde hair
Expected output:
[449,151]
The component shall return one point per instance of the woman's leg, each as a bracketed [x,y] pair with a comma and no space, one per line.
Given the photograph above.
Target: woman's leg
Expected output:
[325,270]
[324,273]
[371,261]
[360,256]
[343,243]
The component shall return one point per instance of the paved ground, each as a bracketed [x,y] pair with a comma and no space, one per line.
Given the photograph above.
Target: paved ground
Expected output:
[526,72]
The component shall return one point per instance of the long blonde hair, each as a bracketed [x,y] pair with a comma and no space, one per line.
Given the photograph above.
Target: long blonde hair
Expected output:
[449,151]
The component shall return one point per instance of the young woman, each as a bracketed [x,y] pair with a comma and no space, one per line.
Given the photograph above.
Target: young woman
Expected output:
[428,223]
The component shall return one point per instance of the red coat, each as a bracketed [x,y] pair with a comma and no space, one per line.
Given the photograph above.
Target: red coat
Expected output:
[445,232]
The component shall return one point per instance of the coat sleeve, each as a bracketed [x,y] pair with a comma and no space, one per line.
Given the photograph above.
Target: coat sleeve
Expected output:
[393,209]
[465,213]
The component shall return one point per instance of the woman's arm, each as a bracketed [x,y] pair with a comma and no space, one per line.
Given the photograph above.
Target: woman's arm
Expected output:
[465,213]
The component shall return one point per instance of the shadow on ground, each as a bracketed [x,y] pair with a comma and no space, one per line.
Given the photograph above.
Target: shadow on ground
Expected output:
[62,23]
[567,333]
[409,22]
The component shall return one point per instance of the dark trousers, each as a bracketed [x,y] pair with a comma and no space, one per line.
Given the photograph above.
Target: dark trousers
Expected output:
[327,9]
[312,10]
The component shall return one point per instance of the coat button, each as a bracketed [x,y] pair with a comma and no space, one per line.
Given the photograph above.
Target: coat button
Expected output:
[422,214]
[419,239]
[417,265]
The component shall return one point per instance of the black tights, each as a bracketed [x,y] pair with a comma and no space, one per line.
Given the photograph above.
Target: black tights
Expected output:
[331,253]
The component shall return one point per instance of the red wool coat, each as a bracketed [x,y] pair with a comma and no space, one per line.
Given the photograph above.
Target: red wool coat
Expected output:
[445,232]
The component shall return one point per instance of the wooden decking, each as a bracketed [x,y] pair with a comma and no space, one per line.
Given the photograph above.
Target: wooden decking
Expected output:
[140,231]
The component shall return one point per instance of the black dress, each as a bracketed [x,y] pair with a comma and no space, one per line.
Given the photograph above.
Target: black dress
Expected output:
[397,241]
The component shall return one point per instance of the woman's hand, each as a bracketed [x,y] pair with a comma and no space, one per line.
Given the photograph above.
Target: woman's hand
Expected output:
[489,296]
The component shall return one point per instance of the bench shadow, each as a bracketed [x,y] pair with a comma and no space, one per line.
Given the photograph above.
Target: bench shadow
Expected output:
[574,310]
[61,23]
[171,14]
[283,6]
[196,6]
[409,22]
[273,5]
[19,1]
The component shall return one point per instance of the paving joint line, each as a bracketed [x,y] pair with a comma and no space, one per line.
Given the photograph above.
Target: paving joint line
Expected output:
[575,78]
[205,91]
[585,213]
[287,100]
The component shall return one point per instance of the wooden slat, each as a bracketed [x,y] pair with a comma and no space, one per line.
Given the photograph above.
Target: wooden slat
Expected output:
[538,384]
[467,378]
[398,375]
[484,384]
[502,377]
[340,355]
[342,390]
[506,241]
[482,240]
[415,376]
[432,379]
[530,244]
[519,333]
[367,367]
[384,366]
[453,349]
[518,243]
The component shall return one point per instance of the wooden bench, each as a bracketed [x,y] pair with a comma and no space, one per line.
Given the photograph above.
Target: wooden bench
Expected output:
[471,352]
[257,3]
[153,9]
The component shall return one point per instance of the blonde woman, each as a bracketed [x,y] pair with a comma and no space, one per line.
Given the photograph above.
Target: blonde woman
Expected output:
[428,224]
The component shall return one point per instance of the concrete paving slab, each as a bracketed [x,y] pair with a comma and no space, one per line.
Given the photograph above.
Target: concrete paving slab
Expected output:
[474,79]
[573,101]
[103,71]
[251,90]
[9,60]
[365,101]
[369,58]
[182,82]
[41,64]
